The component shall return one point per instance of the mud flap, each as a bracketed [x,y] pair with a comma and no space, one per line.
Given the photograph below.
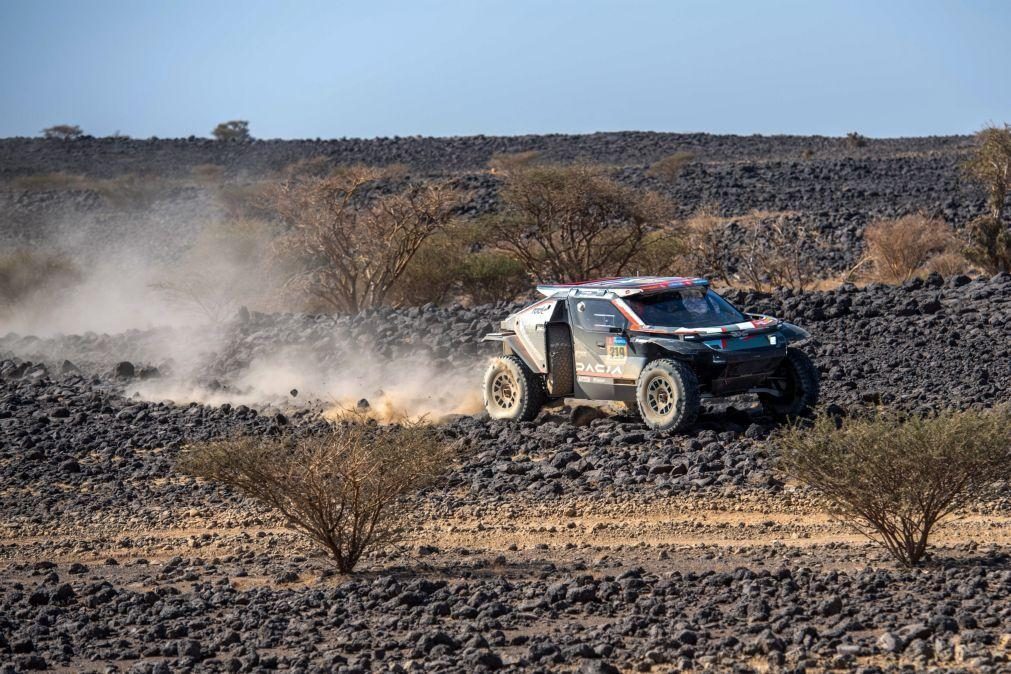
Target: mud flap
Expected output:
[561,367]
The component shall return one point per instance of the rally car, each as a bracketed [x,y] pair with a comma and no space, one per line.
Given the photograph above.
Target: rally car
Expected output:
[660,345]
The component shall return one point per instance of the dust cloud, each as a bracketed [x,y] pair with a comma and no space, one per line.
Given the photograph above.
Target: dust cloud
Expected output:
[170,301]
[387,390]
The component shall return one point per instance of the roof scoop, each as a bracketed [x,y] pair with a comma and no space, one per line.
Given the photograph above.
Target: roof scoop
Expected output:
[623,286]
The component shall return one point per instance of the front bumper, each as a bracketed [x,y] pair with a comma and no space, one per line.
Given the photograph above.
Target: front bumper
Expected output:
[730,372]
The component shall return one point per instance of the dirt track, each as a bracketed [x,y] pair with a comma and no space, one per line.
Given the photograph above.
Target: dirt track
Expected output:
[676,533]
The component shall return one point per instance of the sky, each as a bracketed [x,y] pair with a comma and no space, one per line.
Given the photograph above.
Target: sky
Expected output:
[368,68]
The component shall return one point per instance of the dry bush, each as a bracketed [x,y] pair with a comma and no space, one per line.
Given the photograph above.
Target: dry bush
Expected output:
[507,162]
[348,490]
[241,200]
[989,245]
[355,231]
[947,264]
[32,274]
[893,479]
[706,245]
[990,166]
[571,223]
[454,263]
[63,132]
[489,276]
[433,275]
[661,253]
[318,166]
[669,168]
[900,248]
[780,254]
[236,130]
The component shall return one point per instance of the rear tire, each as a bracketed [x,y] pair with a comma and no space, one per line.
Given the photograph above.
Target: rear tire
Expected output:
[796,379]
[511,390]
[667,395]
[561,369]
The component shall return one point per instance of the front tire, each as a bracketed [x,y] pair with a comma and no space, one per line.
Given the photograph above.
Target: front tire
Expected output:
[796,381]
[667,395]
[511,390]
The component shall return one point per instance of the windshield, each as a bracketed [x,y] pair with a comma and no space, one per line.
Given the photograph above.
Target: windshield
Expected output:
[688,308]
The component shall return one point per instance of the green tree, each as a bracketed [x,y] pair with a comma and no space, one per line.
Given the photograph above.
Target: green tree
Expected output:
[237,129]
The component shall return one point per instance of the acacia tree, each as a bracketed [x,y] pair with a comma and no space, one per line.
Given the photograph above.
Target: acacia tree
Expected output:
[892,478]
[349,489]
[357,229]
[237,129]
[570,223]
[990,165]
[63,132]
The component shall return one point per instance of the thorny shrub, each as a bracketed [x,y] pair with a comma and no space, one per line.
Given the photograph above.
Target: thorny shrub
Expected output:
[574,222]
[782,253]
[893,478]
[229,265]
[356,230]
[706,245]
[348,490]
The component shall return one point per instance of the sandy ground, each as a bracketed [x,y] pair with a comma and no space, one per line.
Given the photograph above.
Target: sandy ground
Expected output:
[684,533]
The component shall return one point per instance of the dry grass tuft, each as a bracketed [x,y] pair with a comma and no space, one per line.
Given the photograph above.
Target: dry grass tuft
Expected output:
[900,249]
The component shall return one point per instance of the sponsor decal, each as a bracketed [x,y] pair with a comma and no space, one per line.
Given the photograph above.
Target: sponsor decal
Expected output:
[617,349]
[598,368]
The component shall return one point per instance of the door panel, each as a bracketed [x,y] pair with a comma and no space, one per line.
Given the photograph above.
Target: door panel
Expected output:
[600,353]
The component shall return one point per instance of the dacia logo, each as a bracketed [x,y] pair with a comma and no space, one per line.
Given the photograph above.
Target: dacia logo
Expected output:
[598,368]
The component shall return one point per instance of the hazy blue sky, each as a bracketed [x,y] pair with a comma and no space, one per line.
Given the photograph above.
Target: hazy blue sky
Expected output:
[453,67]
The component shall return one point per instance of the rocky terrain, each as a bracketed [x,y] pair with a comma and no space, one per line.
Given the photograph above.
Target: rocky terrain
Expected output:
[831,185]
[578,542]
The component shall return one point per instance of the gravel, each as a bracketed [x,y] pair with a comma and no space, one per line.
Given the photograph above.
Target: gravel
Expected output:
[577,542]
